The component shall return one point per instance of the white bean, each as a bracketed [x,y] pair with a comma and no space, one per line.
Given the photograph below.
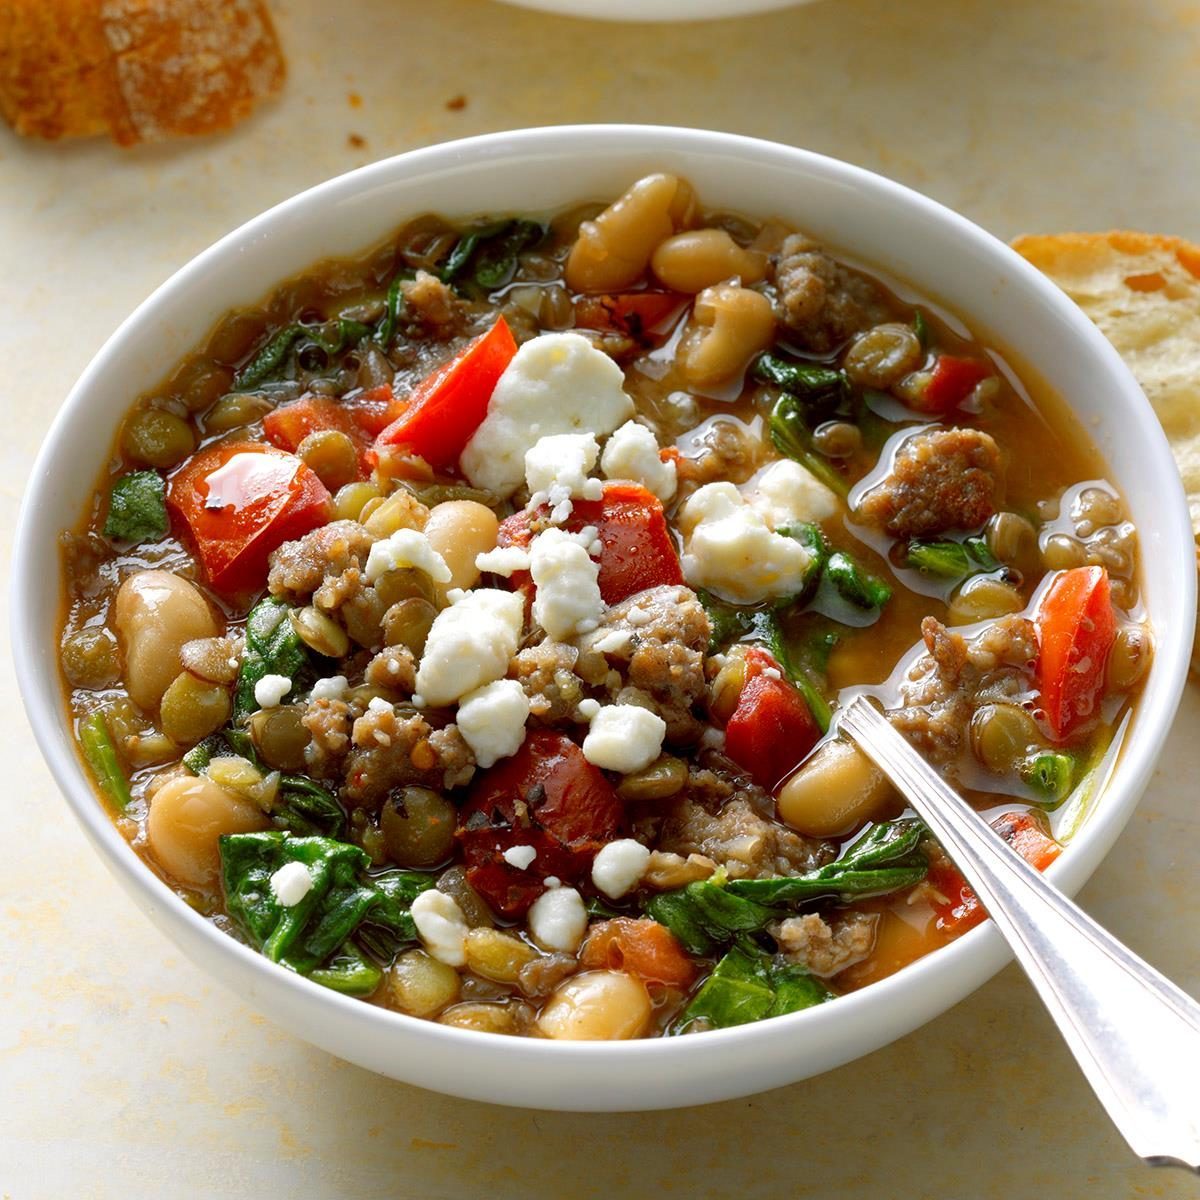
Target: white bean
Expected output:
[729,326]
[460,530]
[834,792]
[596,1006]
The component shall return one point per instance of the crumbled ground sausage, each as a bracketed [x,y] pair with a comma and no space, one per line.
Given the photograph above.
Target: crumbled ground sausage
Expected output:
[329,722]
[945,685]
[330,557]
[724,817]
[541,976]
[826,948]
[393,669]
[546,673]
[433,307]
[655,641]
[822,302]
[940,479]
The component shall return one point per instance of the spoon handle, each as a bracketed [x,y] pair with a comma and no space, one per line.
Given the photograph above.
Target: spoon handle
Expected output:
[1135,1035]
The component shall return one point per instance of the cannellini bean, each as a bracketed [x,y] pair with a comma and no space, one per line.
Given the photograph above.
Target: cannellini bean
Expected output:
[420,985]
[596,1006]
[689,262]
[459,530]
[729,326]
[834,792]
[187,816]
[155,614]
[611,252]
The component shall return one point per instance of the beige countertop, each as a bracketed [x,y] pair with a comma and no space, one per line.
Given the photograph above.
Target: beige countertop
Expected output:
[123,1071]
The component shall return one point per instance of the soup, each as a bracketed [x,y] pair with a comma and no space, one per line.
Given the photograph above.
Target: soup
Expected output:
[464,627]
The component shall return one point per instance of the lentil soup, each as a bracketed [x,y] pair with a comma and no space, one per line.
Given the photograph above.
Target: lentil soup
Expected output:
[463,626]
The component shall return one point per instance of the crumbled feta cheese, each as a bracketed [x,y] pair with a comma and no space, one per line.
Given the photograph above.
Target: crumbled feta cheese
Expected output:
[454,595]
[270,690]
[492,720]
[587,709]
[377,704]
[568,600]
[519,856]
[638,616]
[406,548]
[556,383]
[504,560]
[470,644]
[558,919]
[632,453]
[291,883]
[556,471]
[618,866]
[441,926]
[785,492]
[624,737]
[615,641]
[333,688]
[713,739]
[730,550]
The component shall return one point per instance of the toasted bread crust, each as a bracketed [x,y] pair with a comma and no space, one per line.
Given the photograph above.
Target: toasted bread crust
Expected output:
[138,70]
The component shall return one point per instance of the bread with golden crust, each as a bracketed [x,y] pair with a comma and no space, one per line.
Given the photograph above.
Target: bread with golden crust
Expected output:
[137,70]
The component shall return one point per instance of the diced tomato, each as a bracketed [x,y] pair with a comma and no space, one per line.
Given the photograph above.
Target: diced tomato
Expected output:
[547,796]
[636,314]
[961,909]
[952,380]
[447,406]
[636,547]
[640,946]
[240,502]
[289,424]
[374,410]
[772,728]
[1076,628]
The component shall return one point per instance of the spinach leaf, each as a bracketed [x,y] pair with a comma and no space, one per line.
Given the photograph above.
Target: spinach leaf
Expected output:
[137,508]
[349,971]
[705,915]
[331,336]
[101,756]
[887,859]
[342,900]
[922,330]
[745,986]
[813,540]
[854,584]
[307,809]
[202,753]
[386,329]
[949,559]
[807,382]
[491,253]
[272,648]
[790,435]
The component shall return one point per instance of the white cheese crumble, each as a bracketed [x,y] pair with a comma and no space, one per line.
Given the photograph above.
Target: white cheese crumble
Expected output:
[492,720]
[291,883]
[632,453]
[470,644]
[558,919]
[377,704]
[624,737]
[519,856]
[785,492]
[615,641]
[557,469]
[619,866]
[333,688]
[441,926]
[731,550]
[568,592]
[270,690]
[406,548]
[587,709]
[556,383]
[504,560]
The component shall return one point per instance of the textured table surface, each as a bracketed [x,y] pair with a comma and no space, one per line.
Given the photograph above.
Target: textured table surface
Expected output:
[123,1071]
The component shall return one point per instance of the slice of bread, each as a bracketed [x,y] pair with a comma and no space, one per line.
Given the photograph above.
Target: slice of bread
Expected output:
[138,70]
[1143,291]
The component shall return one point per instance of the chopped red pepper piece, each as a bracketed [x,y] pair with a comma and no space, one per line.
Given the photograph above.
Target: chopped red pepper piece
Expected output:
[636,548]
[240,502]
[961,909]
[640,946]
[1076,629]
[636,314]
[447,406]
[547,796]
[952,380]
[772,728]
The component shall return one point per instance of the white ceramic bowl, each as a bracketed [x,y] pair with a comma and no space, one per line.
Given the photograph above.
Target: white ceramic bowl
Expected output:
[656,10]
[940,253]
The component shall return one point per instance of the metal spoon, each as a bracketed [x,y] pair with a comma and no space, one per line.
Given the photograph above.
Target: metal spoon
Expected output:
[1135,1035]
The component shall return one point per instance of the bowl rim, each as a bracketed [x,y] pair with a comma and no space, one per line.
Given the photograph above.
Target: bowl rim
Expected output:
[972,959]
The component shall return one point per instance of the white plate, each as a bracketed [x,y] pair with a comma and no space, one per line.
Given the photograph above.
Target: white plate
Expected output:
[656,10]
